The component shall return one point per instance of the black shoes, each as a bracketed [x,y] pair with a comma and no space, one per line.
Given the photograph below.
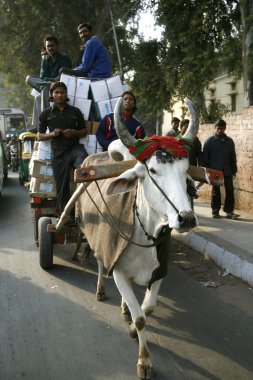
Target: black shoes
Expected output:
[232,215]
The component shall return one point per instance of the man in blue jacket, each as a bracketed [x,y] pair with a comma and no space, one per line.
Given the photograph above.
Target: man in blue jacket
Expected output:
[96,61]
[219,153]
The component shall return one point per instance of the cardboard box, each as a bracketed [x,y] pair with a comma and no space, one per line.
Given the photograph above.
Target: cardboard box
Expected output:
[40,185]
[70,82]
[104,107]
[91,144]
[113,103]
[99,90]
[36,146]
[82,88]
[44,151]
[41,169]
[125,87]
[115,87]
[84,106]
[71,100]
[95,125]
[88,125]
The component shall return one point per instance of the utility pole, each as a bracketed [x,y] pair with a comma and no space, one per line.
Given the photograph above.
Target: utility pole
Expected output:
[159,120]
[115,36]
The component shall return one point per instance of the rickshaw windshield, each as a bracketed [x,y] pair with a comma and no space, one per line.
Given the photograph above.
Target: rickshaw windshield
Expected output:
[15,122]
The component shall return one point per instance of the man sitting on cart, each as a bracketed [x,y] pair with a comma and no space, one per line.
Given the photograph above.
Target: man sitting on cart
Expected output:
[66,125]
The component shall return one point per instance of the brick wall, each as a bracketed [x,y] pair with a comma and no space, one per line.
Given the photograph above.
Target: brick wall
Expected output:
[240,129]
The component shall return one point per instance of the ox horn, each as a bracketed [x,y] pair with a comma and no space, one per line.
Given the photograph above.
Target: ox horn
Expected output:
[121,129]
[193,127]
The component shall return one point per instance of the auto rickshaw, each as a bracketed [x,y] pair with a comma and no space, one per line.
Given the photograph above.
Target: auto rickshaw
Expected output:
[26,142]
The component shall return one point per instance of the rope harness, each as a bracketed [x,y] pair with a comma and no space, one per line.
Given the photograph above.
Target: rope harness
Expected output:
[111,221]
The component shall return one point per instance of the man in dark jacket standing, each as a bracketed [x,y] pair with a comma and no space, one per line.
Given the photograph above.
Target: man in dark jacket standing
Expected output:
[219,153]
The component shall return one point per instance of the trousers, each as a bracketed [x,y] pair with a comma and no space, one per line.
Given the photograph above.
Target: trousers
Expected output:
[229,196]
[61,165]
[41,101]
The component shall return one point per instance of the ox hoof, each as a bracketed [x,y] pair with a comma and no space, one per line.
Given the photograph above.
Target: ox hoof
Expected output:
[144,371]
[149,310]
[126,316]
[133,332]
[101,296]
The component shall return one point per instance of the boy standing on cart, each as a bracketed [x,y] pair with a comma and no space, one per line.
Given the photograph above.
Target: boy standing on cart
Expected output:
[65,126]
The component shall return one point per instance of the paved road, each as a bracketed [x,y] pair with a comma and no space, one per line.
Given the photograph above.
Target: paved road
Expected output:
[52,327]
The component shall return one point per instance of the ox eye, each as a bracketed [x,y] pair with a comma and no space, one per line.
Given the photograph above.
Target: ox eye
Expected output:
[152,171]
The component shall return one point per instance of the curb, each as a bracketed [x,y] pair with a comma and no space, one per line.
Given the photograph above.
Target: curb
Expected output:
[236,264]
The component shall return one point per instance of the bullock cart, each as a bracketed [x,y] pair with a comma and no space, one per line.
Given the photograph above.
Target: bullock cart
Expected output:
[61,233]
[137,250]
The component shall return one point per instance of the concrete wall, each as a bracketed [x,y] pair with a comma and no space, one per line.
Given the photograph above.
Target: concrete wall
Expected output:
[240,129]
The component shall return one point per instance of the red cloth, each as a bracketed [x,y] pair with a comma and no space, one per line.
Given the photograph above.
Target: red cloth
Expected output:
[177,147]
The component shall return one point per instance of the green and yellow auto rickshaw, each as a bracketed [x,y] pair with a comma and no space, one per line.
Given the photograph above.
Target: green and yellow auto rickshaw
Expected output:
[26,142]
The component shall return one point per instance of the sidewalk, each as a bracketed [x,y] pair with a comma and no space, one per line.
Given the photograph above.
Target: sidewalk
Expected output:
[228,242]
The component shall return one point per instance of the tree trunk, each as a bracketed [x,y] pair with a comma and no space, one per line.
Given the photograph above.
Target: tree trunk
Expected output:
[246,7]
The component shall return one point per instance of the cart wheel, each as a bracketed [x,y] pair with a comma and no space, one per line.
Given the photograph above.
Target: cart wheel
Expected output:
[5,173]
[21,176]
[45,243]
[35,219]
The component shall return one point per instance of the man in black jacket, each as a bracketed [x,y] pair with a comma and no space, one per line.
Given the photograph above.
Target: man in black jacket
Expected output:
[65,126]
[219,153]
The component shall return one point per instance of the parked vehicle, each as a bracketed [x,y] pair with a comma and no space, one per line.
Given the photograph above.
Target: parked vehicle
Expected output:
[12,122]
[2,160]
[26,142]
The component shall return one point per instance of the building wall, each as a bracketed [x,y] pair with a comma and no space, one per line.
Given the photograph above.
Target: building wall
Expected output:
[240,129]
[227,89]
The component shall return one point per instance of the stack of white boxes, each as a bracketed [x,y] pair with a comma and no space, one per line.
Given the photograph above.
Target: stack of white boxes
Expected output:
[78,90]
[106,93]
[40,169]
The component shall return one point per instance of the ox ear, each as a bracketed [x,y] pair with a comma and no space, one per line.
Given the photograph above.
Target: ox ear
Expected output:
[126,182]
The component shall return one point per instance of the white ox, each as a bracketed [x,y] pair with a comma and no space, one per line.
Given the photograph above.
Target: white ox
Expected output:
[161,200]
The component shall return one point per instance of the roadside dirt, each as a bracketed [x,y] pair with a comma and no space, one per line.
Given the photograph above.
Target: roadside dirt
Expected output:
[199,267]
[203,270]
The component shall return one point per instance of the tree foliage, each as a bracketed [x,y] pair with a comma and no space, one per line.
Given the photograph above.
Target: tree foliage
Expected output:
[24,23]
[199,38]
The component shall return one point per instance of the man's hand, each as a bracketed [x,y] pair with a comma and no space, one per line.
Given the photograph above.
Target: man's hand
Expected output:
[57,132]
[69,133]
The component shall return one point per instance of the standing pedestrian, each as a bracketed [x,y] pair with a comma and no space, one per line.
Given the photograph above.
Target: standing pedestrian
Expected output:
[195,154]
[174,131]
[219,153]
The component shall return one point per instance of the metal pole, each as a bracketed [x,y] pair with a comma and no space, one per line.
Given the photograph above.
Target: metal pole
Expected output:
[115,36]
